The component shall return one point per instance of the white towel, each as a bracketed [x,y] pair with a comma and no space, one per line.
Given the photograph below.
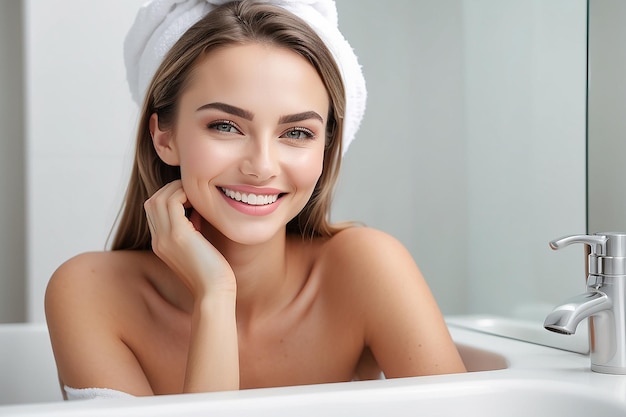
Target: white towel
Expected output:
[160,23]
[93,393]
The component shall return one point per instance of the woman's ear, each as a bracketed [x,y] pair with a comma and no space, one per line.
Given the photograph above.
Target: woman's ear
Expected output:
[163,142]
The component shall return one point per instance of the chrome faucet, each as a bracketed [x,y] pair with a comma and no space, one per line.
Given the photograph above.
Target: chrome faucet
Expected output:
[604,303]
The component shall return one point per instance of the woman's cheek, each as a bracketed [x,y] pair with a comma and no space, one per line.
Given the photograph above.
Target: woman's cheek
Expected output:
[206,160]
[310,168]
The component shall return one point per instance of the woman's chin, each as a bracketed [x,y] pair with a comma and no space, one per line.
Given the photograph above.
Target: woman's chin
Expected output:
[250,234]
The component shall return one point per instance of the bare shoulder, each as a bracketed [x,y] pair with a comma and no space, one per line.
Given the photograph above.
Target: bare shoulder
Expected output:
[96,263]
[87,300]
[367,262]
[360,249]
[92,289]
[372,275]
[92,274]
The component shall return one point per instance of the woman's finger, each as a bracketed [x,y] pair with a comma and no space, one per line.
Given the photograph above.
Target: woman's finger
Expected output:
[157,212]
[175,206]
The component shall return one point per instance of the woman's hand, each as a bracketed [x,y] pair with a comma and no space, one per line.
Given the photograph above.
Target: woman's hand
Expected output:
[177,240]
[213,357]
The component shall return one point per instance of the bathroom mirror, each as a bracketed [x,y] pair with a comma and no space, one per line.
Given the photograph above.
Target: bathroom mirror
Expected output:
[472,152]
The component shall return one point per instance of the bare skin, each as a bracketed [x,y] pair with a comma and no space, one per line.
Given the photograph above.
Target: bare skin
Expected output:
[227,300]
[342,315]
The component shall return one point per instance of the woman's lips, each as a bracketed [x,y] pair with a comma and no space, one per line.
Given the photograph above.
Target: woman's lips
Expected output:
[259,203]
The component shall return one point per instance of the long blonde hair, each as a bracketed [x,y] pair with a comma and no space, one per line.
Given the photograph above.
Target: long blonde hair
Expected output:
[233,23]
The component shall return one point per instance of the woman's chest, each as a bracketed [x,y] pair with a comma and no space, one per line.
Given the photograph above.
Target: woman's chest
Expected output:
[296,349]
[309,352]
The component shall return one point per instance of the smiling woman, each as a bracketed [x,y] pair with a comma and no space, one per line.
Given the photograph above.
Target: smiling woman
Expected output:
[278,142]
[226,272]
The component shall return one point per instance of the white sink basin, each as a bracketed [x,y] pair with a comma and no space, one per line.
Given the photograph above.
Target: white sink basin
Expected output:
[525,330]
[469,398]
[510,378]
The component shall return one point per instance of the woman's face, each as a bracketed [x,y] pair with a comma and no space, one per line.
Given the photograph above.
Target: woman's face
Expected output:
[250,139]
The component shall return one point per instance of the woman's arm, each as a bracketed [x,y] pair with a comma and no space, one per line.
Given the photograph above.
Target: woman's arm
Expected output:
[88,304]
[213,358]
[402,323]
[83,313]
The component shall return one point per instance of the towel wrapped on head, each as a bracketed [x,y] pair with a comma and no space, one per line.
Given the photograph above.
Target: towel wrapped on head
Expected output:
[160,23]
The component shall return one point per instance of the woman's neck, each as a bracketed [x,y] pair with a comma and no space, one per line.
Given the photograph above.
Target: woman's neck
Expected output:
[261,271]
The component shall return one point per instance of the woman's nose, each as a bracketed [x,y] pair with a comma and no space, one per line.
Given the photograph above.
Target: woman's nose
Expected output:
[261,159]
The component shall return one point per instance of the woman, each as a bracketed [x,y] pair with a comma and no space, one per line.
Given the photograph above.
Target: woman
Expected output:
[225,272]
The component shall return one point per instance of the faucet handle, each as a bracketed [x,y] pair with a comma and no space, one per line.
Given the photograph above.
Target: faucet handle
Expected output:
[597,242]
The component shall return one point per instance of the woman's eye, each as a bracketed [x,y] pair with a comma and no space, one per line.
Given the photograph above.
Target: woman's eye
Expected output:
[224,126]
[299,133]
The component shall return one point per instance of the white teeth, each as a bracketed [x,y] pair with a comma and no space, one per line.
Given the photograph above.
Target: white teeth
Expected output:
[252,199]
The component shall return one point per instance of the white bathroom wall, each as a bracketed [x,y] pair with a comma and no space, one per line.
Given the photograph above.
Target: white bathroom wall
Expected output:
[12,169]
[80,120]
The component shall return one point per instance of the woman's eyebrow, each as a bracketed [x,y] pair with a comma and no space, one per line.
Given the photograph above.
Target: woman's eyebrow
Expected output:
[237,111]
[227,108]
[298,117]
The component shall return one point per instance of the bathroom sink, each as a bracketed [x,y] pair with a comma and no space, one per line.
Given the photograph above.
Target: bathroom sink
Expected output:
[508,377]
[525,330]
[479,359]
[431,396]
[491,398]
